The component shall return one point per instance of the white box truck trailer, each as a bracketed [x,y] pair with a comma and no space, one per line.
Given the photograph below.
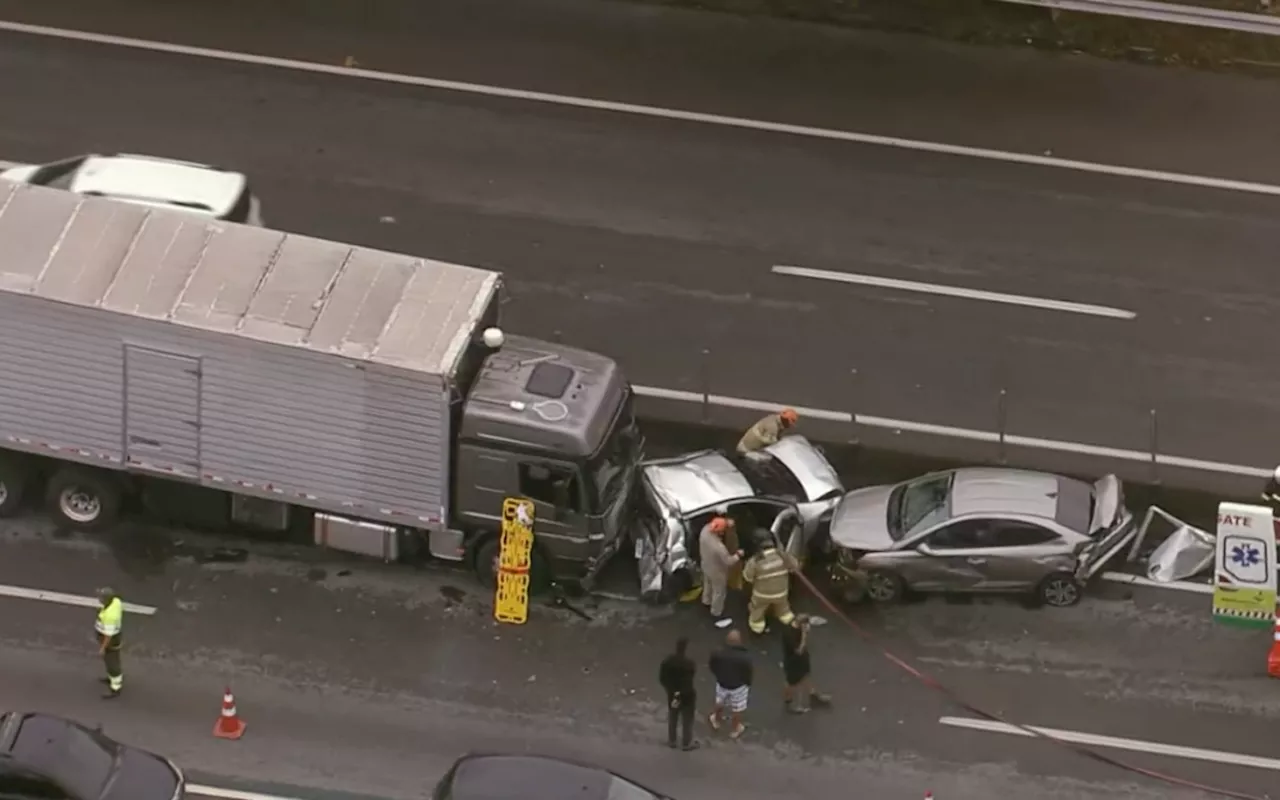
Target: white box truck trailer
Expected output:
[272,381]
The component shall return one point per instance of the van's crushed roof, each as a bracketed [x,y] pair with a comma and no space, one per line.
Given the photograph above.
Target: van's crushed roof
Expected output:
[284,288]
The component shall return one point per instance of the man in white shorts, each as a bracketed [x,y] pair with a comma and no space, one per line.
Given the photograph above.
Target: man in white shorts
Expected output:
[732,669]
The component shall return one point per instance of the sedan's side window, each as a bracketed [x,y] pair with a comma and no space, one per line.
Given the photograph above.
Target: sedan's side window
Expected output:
[961,535]
[1014,533]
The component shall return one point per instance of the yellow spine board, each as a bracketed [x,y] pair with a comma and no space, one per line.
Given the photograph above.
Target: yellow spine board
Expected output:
[515,556]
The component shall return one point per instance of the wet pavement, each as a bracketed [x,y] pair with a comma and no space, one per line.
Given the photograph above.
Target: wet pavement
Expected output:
[358,677]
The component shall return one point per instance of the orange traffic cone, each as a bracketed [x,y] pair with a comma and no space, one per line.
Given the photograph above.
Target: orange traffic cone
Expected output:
[1273,658]
[229,724]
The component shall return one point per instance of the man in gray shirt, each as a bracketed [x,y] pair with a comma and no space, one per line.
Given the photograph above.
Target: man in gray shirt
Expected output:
[717,561]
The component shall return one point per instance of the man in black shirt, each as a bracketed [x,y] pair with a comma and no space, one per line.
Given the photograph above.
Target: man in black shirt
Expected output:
[732,669]
[796,668]
[676,676]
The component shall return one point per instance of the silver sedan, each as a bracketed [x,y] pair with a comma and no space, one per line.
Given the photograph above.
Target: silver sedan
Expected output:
[980,530]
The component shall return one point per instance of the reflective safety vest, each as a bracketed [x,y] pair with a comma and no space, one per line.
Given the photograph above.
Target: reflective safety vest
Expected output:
[768,574]
[110,619]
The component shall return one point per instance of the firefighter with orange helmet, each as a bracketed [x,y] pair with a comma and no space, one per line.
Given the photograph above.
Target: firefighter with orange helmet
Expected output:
[768,430]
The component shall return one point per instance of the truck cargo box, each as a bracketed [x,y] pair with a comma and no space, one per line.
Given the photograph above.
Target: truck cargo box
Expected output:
[265,363]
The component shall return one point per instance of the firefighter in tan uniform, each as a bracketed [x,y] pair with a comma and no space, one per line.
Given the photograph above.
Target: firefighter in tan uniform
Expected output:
[769,573]
[767,431]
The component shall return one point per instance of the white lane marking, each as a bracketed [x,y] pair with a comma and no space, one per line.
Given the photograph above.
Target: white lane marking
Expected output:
[955,291]
[23,593]
[950,432]
[230,794]
[1138,580]
[1117,743]
[919,145]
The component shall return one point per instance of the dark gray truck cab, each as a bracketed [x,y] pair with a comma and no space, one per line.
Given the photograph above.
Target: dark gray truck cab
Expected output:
[556,425]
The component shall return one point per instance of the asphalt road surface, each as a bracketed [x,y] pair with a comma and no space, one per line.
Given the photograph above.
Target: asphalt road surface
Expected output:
[359,678]
[655,240]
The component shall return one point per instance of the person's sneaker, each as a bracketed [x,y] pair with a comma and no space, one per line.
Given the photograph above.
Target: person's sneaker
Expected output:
[110,695]
[672,745]
[737,732]
[724,622]
[714,720]
[796,708]
[691,746]
[820,699]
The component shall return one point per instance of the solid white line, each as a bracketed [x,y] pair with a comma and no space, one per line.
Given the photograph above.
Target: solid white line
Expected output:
[1186,179]
[955,291]
[1138,580]
[950,432]
[23,593]
[1117,743]
[230,794]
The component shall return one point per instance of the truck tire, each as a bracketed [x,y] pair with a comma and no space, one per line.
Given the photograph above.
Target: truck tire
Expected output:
[83,499]
[486,566]
[13,486]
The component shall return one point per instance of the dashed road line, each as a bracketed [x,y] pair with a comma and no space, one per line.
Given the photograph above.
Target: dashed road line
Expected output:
[230,794]
[1116,743]
[962,293]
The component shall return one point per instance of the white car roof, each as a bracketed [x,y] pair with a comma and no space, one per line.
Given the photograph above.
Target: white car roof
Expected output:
[158,181]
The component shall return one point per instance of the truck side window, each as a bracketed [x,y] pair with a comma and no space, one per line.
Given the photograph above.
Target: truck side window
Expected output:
[556,486]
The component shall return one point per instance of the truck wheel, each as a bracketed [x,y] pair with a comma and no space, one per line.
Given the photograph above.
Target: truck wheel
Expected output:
[83,498]
[13,487]
[486,567]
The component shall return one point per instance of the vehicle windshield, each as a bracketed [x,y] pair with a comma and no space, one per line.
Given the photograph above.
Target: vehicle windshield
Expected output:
[76,760]
[769,476]
[59,174]
[918,504]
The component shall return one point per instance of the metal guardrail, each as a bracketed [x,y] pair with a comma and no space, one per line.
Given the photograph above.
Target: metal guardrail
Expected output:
[1176,13]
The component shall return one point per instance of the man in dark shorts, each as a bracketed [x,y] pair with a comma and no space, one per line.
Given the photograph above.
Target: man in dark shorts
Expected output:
[799,692]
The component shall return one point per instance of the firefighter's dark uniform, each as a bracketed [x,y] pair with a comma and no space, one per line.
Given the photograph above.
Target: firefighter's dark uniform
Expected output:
[770,581]
[110,620]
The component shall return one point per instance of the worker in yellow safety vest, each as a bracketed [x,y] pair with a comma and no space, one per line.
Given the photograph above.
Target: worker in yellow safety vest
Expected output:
[767,431]
[768,572]
[107,627]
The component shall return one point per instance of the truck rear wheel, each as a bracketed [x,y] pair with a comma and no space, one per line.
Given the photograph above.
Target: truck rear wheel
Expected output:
[486,567]
[13,486]
[83,498]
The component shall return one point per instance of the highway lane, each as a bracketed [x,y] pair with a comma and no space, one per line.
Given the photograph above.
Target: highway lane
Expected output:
[607,224]
[908,86]
[390,673]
